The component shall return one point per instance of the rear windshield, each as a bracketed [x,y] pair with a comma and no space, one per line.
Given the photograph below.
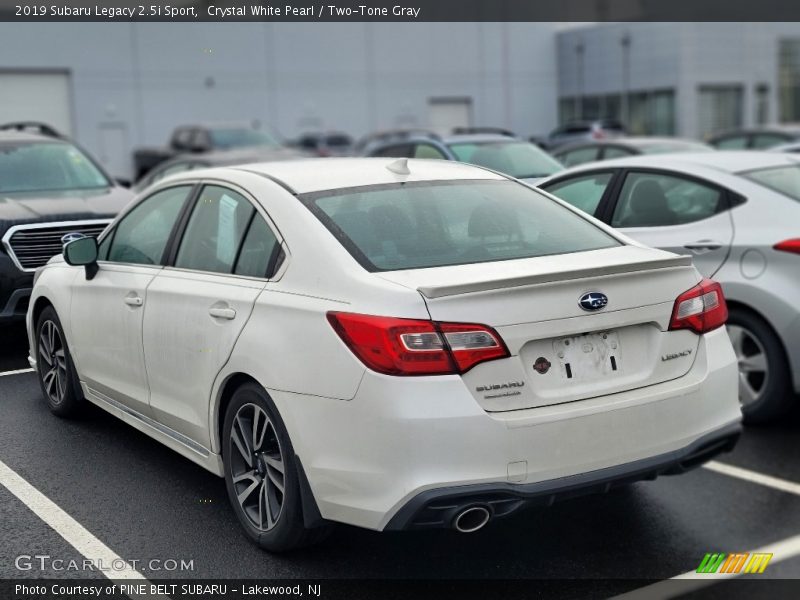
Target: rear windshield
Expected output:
[518,159]
[47,166]
[785,180]
[431,224]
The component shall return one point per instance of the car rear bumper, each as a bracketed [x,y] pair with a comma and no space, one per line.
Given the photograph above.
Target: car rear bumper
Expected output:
[399,438]
[439,507]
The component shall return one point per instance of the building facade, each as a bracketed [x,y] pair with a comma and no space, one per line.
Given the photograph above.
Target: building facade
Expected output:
[687,79]
[117,86]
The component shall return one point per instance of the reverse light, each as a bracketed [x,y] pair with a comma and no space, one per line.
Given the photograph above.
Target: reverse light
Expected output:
[416,347]
[792,246]
[701,308]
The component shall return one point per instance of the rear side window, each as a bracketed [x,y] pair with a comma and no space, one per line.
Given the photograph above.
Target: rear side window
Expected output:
[259,249]
[429,224]
[657,200]
[215,231]
[583,192]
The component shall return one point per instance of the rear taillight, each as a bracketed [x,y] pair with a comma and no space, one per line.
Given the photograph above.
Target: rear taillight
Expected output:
[792,246]
[701,308]
[417,347]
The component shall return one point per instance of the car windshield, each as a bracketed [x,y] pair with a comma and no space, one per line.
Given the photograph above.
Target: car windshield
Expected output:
[676,146]
[518,159]
[430,224]
[47,166]
[785,180]
[240,137]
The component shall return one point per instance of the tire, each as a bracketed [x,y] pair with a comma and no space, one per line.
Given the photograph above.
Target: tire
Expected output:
[55,369]
[764,379]
[271,518]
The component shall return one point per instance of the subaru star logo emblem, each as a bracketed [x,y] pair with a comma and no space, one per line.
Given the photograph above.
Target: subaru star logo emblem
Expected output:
[71,237]
[593,301]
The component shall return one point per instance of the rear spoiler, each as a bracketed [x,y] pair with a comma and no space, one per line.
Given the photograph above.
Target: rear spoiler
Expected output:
[438,291]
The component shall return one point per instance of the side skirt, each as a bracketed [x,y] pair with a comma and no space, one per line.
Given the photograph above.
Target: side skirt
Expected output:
[169,437]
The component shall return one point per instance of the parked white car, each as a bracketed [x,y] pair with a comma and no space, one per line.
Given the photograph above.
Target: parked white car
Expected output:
[736,214]
[393,344]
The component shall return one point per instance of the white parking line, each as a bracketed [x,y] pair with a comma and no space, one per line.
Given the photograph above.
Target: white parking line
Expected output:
[67,527]
[691,581]
[745,474]
[16,372]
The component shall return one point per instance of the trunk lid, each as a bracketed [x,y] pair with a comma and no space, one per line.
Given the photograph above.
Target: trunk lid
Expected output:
[560,351]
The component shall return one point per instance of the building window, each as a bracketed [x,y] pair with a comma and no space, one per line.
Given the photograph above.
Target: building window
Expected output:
[651,113]
[720,108]
[789,80]
[567,110]
[761,104]
[590,108]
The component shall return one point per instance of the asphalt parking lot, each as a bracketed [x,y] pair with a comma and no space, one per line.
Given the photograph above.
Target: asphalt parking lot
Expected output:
[145,502]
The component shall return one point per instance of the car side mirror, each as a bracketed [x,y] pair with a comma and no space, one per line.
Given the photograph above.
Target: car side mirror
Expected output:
[82,252]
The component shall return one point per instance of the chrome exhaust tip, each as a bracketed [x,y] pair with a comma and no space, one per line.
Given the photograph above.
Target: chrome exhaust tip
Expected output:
[471,519]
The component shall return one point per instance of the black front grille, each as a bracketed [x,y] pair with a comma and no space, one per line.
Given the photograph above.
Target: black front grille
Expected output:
[33,245]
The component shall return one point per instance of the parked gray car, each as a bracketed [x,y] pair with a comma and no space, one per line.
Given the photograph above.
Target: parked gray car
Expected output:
[738,215]
[221,158]
[579,131]
[572,155]
[507,155]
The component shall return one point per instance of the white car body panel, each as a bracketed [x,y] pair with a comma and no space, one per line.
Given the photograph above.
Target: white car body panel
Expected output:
[109,353]
[427,432]
[185,345]
[369,442]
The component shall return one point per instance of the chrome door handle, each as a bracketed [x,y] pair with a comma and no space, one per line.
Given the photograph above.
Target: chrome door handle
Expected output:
[133,301]
[222,313]
[703,245]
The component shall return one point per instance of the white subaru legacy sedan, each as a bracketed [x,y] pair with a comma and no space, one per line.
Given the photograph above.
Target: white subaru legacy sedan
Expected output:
[393,344]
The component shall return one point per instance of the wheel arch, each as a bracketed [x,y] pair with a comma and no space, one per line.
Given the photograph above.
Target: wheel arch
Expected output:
[233,381]
[39,305]
[227,388]
[743,306]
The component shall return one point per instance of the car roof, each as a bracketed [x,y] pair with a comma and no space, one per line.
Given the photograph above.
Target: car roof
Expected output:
[789,128]
[726,161]
[647,140]
[319,174]
[25,136]
[635,141]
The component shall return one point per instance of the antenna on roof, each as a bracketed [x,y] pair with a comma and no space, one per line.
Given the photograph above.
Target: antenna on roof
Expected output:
[399,166]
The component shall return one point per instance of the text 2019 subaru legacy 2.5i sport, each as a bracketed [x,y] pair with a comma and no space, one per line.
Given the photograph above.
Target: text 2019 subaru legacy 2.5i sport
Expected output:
[393,344]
